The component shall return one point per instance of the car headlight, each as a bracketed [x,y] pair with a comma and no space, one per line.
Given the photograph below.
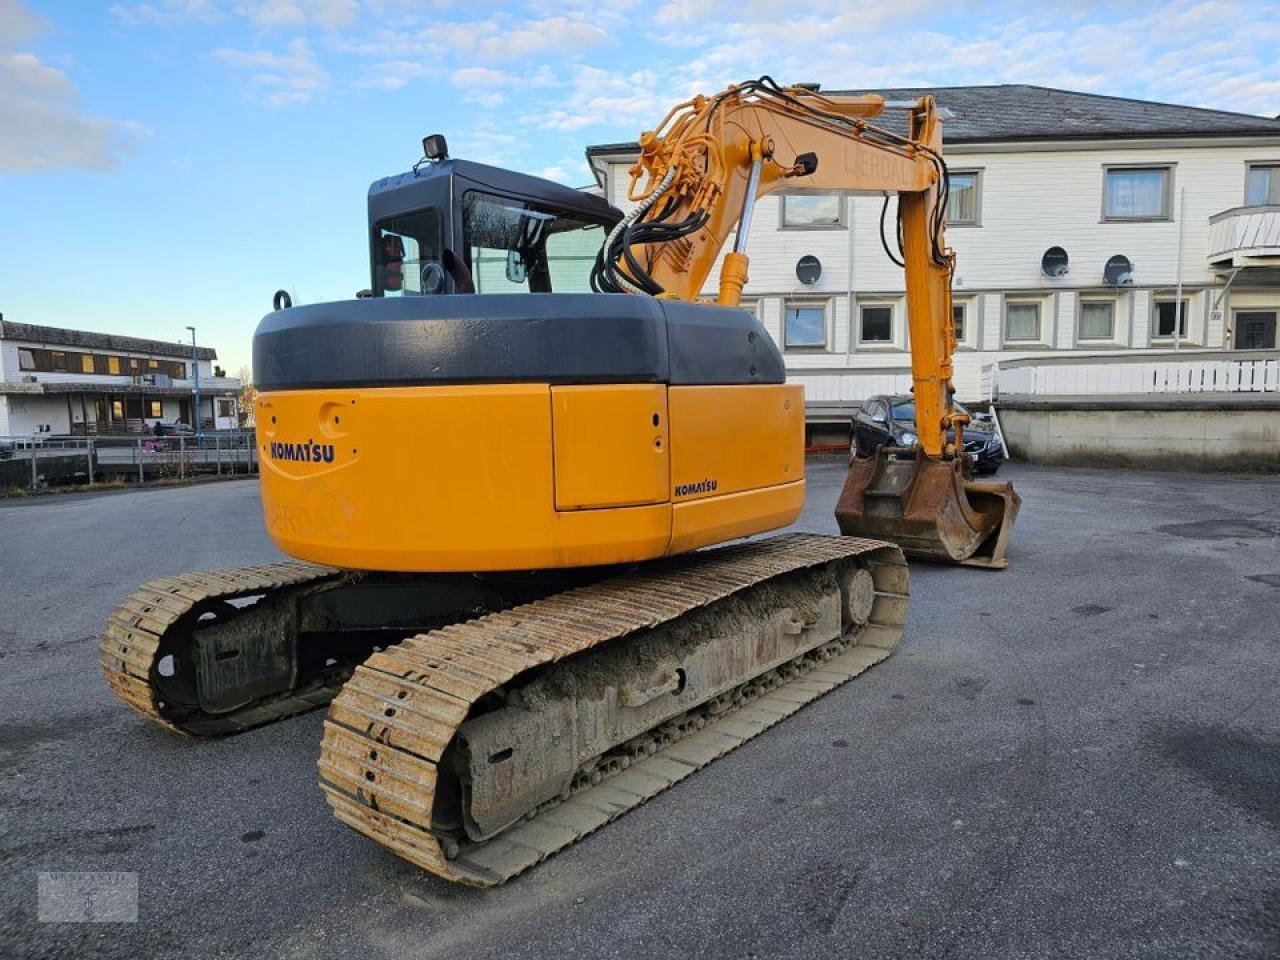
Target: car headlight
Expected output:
[908,439]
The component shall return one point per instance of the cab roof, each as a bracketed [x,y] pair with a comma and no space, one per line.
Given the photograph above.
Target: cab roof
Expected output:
[391,193]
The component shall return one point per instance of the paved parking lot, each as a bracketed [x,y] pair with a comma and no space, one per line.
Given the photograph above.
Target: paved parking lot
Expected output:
[1077,757]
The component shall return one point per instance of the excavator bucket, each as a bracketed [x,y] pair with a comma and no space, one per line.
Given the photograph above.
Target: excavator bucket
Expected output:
[931,508]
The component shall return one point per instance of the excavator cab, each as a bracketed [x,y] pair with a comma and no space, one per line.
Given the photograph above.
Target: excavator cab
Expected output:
[454,226]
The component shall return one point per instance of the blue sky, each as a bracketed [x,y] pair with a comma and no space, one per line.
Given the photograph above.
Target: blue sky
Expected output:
[174,162]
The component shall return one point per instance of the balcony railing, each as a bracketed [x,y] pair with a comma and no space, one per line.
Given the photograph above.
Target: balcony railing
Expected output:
[1236,372]
[1245,236]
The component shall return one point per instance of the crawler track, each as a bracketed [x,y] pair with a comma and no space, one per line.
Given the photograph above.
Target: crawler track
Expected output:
[148,625]
[384,765]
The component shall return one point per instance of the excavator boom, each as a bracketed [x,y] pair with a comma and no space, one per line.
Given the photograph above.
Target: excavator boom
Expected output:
[700,173]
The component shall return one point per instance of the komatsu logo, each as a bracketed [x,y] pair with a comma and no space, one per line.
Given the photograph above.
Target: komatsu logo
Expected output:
[309,452]
[689,489]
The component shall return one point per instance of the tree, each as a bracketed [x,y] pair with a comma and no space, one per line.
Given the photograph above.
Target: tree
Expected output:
[248,394]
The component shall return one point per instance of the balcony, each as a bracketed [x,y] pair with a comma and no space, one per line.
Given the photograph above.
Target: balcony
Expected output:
[1245,237]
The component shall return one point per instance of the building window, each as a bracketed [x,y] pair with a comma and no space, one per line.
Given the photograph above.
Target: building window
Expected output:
[224,408]
[805,325]
[179,370]
[1167,315]
[1097,319]
[1022,321]
[875,323]
[957,320]
[86,363]
[133,364]
[154,409]
[1137,193]
[1262,184]
[153,364]
[26,360]
[113,366]
[804,210]
[964,199]
[59,360]
[117,409]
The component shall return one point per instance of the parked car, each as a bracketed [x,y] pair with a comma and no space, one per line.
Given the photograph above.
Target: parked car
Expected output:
[171,432]
[891,421]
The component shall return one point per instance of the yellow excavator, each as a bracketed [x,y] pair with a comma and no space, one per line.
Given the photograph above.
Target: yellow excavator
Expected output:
[498,493]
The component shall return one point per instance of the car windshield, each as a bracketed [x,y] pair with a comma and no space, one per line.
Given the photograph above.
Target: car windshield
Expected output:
[906,410]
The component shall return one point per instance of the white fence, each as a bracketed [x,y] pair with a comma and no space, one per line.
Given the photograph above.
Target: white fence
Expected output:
[846,389]
[1255,372]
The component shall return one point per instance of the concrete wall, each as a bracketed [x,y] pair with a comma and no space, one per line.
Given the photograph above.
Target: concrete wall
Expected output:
[1205,434]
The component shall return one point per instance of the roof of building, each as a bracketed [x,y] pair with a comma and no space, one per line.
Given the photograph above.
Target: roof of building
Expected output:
[1021,112]
[85,339]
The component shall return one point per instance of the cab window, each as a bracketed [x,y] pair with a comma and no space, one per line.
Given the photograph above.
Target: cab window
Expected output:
[517,246]
[406,255]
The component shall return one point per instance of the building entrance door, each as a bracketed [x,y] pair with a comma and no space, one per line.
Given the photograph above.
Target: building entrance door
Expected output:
[1255,330]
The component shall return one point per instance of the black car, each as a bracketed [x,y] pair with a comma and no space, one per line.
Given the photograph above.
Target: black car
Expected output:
[891,421]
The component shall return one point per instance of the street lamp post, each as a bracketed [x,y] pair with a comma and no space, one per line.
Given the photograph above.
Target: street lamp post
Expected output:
[195,368]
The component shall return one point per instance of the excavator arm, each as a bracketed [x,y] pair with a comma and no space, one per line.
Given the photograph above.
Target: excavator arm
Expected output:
[695,185]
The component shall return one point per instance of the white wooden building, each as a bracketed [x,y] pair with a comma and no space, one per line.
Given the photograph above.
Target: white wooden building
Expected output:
[1182,194]
[58,382]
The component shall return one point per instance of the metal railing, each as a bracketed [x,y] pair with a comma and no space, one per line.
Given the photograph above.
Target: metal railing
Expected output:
[40,461]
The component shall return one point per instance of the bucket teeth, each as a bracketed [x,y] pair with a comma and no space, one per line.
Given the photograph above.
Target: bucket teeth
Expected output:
[396,703]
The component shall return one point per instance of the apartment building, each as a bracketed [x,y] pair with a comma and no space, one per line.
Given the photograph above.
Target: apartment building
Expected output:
[55,381]
[1083,225]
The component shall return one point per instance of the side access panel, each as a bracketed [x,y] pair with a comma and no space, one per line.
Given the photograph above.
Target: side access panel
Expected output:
[737,461]
[611,445]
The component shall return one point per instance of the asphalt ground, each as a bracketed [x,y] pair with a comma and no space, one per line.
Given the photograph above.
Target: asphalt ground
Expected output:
[1077,757]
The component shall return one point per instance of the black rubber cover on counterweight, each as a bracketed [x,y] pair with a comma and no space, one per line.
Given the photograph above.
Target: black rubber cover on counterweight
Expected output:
[554,338]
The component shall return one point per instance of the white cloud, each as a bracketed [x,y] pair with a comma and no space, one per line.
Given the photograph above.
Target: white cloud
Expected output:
[283,79]
[18,24]
[165,12]
[542,36]
[45,127]
[286,14]
[481,77]
[599,97]
[495,39]
[391,75]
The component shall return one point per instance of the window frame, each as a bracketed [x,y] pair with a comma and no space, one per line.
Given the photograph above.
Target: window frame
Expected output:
[1249,166]
[825,307]
[1166,199]
[892,342]
[968,305]
[1081,303]
[976,173]
[842,220]
[1155,319]
[1004,322]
